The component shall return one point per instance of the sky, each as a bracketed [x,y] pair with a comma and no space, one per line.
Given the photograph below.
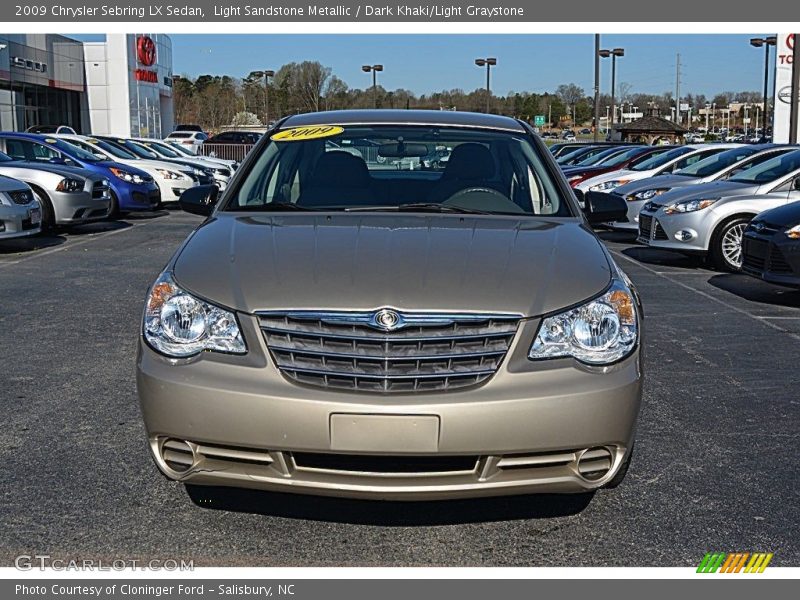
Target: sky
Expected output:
[710,63]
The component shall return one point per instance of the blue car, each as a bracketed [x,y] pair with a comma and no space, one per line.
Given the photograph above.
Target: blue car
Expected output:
[131,189]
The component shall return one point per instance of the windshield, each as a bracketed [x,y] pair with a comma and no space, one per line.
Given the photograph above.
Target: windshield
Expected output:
[73,151]
[600,157]
[770,170]
[175,134]
[180,150]
[659,160]
[161,149]
[134,148]
[397,167]
[621,157]
[111,149]
[717,162]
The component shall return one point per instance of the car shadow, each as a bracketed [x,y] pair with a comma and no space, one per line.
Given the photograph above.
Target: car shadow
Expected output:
[145,216]
[96,227]
[665,258]
[30,244]
[388,513]
[613,235]
[756,290]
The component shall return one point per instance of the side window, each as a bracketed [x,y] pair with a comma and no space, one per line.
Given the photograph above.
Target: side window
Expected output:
[43,153]
[788,186]
[16,149]
[223,138]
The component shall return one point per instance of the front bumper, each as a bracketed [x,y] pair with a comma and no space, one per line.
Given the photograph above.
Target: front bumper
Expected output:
[237,421]
[661,231]
[138,196]
[16,222]
[775,258]
[74,208]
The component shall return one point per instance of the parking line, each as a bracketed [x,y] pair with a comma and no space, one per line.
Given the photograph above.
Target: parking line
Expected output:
[66,245]
[706,295]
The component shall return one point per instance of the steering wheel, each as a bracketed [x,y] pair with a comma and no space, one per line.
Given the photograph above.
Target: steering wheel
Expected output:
[483,198]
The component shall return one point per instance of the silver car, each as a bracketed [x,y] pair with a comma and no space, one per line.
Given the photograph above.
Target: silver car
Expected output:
[339,328]
[20,213]
[709,219]
[713,168]
[67,195]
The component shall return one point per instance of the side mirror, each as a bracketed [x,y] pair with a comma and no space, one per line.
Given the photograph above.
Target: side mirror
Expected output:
[796,184]
[199,200]
[57,160]
[605,208]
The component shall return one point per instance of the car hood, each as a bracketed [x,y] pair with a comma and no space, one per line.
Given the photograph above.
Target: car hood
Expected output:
[22,167]
[410,262]
[716,189]
[656,182]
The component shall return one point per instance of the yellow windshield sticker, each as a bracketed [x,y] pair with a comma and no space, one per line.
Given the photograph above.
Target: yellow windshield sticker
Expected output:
[50,140]
[300,134]
[93,141]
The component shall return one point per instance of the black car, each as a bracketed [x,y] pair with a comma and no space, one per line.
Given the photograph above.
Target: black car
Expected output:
[771,246]
[565,147]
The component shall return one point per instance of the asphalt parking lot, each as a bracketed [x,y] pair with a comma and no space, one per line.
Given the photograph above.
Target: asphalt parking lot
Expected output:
[716,464]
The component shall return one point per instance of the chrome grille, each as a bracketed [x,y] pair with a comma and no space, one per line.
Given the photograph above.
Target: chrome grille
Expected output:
[645,226]
[428,352]
[21,197]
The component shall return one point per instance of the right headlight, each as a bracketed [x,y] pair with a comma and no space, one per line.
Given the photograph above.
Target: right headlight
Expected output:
[178,325]
[599,332]
[646,194]
[686,206]
[794,232]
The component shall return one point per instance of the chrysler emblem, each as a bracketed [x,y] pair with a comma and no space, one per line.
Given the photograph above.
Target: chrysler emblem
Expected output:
[387,319]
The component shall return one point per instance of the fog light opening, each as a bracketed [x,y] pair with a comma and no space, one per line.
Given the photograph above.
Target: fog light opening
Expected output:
[685,235]
[177,455]
[595,463]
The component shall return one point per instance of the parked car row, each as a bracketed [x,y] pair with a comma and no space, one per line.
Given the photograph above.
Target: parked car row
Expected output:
[63,179]
[733,204]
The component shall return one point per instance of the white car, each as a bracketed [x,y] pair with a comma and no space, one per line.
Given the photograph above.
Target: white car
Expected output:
[670,161]
[191,140]
[20,213]
[221,173]
[208,160]
[172,179]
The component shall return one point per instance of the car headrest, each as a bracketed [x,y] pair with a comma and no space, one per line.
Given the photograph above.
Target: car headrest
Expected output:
[470,161]
[340,169]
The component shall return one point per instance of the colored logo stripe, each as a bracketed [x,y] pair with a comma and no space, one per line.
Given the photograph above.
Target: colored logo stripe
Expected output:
[734,562]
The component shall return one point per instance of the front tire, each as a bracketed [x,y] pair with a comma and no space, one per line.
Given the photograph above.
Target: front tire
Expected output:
[725,251]
[114,213]
[48,212]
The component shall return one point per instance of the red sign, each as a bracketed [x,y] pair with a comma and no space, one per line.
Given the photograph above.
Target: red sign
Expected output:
[146,76]
[146,50]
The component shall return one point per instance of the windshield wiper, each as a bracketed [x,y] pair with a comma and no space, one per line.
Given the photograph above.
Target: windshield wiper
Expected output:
[421,207]
[272,206]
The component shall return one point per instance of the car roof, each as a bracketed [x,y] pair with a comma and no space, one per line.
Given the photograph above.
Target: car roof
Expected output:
[405,117]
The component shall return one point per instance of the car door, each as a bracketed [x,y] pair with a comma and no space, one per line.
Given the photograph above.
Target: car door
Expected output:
[788,190]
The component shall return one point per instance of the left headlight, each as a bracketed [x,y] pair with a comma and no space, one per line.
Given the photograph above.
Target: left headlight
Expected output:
[686,206]
[646,194]
[794,232]
[599,332]
[69,185]
[608,185]
[178,325]
[127,175]
[167,174]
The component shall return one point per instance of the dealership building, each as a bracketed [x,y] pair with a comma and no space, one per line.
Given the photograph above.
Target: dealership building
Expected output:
[121,86]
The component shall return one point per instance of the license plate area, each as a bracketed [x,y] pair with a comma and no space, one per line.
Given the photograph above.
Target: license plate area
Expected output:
[384,433]
[35,216]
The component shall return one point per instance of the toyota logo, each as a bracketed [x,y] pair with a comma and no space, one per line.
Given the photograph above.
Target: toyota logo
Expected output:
[387,319]
[146,50]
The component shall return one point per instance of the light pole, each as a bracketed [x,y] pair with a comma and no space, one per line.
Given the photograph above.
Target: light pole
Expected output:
[613,54]
[266,74]
[768,41]
[374,69]
[488,63]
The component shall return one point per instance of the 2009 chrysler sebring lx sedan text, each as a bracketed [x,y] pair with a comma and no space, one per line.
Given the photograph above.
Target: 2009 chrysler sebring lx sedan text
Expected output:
[352,323]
